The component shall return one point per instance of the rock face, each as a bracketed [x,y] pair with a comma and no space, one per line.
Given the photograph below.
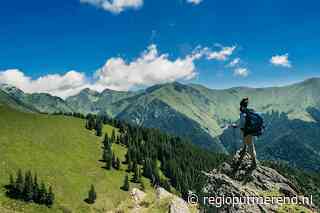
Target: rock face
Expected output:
[137,195]
[239,181]
[177,204]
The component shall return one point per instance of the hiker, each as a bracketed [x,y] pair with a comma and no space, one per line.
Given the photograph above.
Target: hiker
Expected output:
[247,135]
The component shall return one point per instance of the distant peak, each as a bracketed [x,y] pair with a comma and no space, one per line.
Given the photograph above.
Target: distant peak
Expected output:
[312,80]
[6,86]
[112,91]
[173,85]
[10,89]
[90,92]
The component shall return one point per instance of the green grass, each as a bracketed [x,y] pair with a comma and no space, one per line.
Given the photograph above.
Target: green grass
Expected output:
[63,154]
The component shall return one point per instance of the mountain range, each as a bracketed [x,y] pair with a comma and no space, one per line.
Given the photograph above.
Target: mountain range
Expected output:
[292,114]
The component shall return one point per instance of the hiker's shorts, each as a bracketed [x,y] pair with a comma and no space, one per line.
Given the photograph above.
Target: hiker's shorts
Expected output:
[248,139]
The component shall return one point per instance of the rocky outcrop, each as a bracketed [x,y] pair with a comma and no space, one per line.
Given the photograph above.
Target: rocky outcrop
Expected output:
[137,195]
[162,193]
[236,183]
[177,204]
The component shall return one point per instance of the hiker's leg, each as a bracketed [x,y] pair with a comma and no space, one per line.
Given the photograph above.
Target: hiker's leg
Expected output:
[243,150]
[252,152]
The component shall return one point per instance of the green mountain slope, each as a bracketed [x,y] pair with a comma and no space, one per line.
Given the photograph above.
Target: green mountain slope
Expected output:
[209,109]
[200,113]
[154,113]
[42,102]
[63,154]
[293,99]
[7,100]
[89,101]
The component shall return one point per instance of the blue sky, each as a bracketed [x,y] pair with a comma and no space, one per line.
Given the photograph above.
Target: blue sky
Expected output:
[47,39]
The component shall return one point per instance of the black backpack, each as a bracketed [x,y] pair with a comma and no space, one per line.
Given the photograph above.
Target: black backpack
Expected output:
[254,123]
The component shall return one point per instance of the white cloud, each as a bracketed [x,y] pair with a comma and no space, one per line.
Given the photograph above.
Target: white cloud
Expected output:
[154,68]
[281,60]
[115,6]
[234,62]
[221,55]
[150,68]
[242,72]
[60,85]
[194,1]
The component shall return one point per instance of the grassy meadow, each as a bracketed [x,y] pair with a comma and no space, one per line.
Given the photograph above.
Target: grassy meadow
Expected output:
[63,154]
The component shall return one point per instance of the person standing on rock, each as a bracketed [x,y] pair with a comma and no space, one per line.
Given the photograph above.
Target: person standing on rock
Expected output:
[251,125]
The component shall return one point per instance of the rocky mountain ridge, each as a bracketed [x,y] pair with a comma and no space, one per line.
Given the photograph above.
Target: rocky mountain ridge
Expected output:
[253,190]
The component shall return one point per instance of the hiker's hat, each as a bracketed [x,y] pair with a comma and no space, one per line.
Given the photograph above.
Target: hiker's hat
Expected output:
[244,101]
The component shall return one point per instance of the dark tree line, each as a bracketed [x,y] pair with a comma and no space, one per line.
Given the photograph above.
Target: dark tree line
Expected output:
[107,155]
[156,152]
[94,123]
[126,183]
[26,187]
[73,114]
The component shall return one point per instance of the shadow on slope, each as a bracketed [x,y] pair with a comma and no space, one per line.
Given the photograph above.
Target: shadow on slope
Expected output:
[157,114]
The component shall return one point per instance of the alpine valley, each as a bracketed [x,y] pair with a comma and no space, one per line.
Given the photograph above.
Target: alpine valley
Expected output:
[201,115]
[167,141]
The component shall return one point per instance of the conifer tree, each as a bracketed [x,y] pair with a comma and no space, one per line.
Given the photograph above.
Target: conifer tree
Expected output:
[19,185]
[98,128]
[140,175]
[11,180]
[130,166]
[114,161]
[127,157]
[26,188]
[113,136]
[118,140]
[50,197]
[28,185]
[11,185]
[87,124]
[109,161]
[126,184]
[92,195]
[105,155]
[134,166]
[147,170]
[35,189]
[136,174]
[42,193]
[106,141]
[91,122]
[118,163]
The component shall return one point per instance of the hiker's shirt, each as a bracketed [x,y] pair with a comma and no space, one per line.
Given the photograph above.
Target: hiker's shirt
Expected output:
[242,121]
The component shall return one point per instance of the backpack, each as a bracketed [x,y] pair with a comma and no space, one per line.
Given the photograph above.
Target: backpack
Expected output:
[254,123]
